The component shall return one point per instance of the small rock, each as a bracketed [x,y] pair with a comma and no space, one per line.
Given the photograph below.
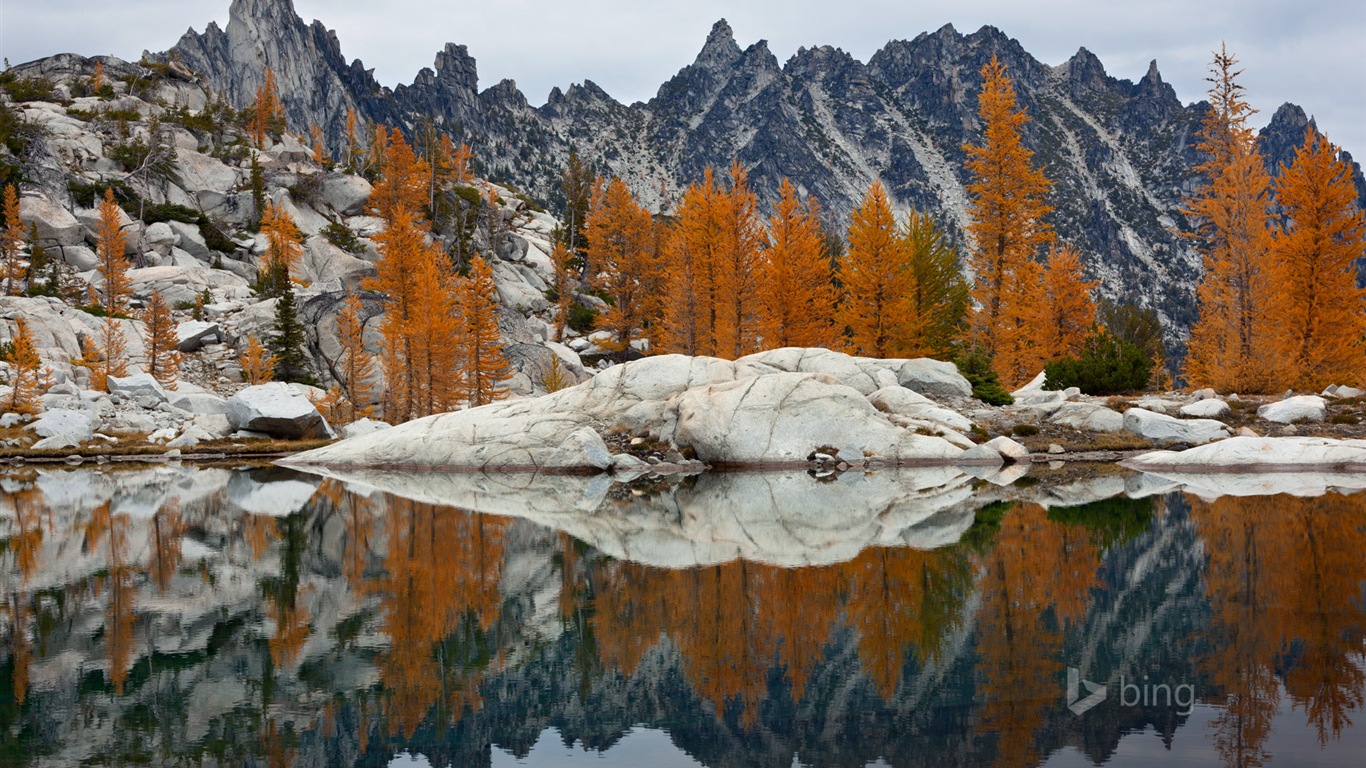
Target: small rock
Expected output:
[1204,394]
[1009,449]
[1055,449]
[1246,432]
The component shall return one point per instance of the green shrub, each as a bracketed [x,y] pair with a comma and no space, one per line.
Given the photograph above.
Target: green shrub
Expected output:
[975,366]
[88,194]
[1024,430]
[158,212]
[27,88]
[581,318]
[341,236]
[1108,365]
[1344,418]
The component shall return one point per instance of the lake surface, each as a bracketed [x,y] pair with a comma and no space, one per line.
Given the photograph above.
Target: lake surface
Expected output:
[179,615]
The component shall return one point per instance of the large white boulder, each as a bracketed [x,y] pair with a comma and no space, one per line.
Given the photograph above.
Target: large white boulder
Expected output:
[931,377]
[56,225]
[206,180]
[346,194]
[1207,408]
[200,403]
[191,240]
[138,386]
[726,411]
[183,284]
[62,421]
[863,374]
[193,334]
[323,261]
[1162,429]
[1260,453]
[785,417]
[1088,416]
[277,409]
[901,401]
[1292,409]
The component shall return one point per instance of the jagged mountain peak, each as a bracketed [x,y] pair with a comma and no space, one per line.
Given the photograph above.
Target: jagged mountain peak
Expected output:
[720,47]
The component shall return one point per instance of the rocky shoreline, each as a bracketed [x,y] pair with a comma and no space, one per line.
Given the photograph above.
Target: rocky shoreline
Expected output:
[825,411]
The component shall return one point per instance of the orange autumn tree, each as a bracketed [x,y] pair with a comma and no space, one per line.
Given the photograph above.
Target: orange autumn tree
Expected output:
[1065,311]
[403,184]
[420,327]
[482,364]
[795,286]
[355,150]
[693,248]
[12,239]
[621,252]
[743,237]
[561,257]
[160,342]
[267,112]
[29,379]
[112,265]
[258,365]
[1227,348]
[1319,336]
[283,252]
[1008,206]
[356,366]
[318,144]
[877,280]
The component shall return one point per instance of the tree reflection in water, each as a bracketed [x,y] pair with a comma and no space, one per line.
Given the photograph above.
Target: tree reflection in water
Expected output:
[363,624]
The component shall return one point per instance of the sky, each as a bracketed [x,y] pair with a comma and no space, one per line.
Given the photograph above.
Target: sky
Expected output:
[1309,53]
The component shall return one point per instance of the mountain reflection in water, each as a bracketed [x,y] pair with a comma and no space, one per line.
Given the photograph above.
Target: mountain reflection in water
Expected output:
[173,614]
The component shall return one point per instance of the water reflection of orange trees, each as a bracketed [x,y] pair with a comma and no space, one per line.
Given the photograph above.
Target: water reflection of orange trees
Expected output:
[439,594]
[1033,580]
[734,622]
[112,530]
[1283,579]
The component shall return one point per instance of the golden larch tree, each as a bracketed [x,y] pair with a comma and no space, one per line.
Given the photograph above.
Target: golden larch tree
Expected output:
[110,245]
[267,112]
[562,258]
[318,144]
[795,287]
[97,79]
[1319,334]
[1227,348]
[258,365]
[481,348]
[284,249]
[621,252]
[160,342]
[420,320]
[356,366]
[29,380]
[694,251]
[877,280]
[404,183]
[742,236]
[355,150]
[1008,206]
[12,240]
[1065,311]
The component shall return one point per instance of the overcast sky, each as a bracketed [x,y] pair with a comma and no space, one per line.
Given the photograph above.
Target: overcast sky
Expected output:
[1310,53]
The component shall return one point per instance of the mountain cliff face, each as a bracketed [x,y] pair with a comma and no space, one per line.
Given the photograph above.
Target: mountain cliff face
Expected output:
[1119,153]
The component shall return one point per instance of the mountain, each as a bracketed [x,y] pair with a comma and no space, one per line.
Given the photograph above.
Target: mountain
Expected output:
[1119,153]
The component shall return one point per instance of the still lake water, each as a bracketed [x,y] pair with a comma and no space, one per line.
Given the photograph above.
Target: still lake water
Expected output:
[175,615]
